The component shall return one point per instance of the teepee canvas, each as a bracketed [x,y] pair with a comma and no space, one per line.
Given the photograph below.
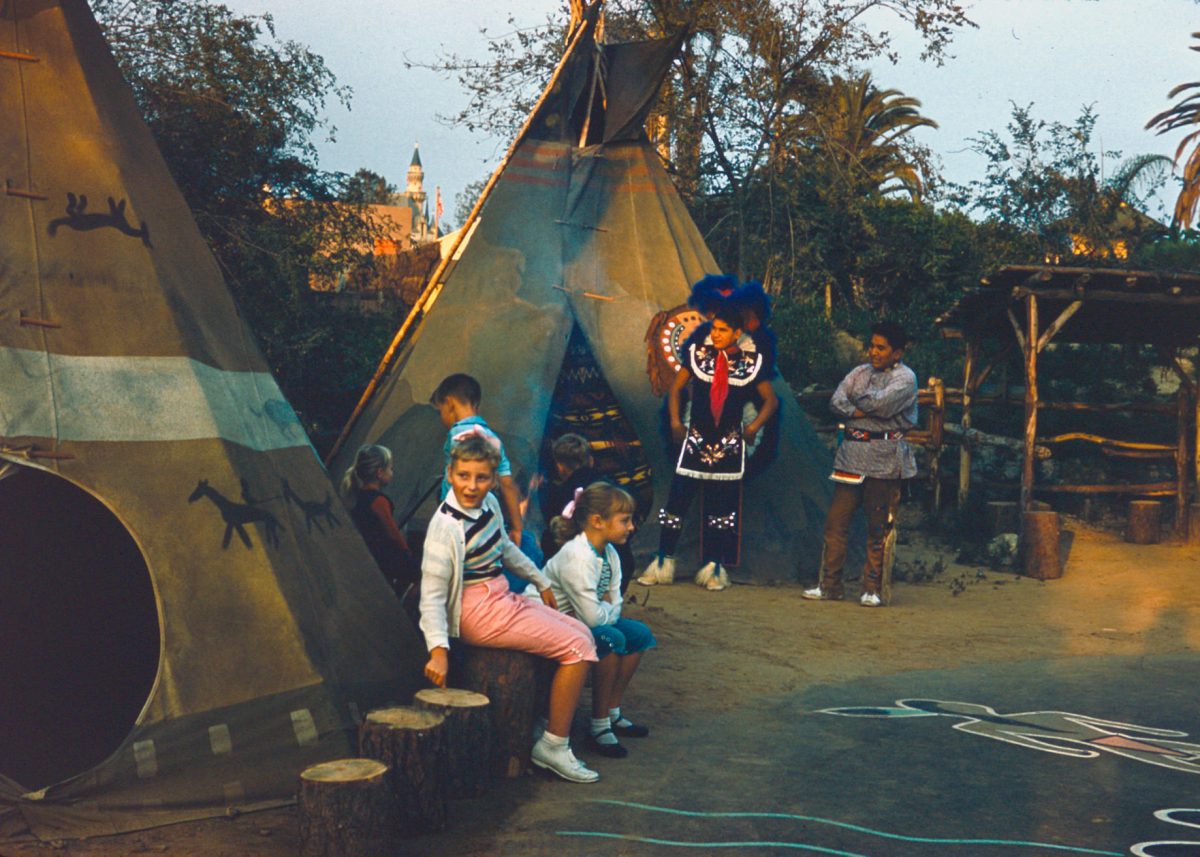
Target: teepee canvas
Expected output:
[579,236]
[188,617]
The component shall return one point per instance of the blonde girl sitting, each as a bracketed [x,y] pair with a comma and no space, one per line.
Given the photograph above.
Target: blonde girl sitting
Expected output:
[464,595]
[585,576]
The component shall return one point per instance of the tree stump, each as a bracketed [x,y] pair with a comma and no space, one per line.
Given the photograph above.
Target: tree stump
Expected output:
[1003,516]
[347,809]
[1193,538]
[468,737]
[1144,525]
[1039,545]
[412,743]
[509,680]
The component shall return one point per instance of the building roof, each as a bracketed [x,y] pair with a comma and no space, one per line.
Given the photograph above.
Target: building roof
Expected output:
[1116,305]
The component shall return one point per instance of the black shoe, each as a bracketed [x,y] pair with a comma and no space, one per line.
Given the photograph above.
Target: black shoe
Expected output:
[613,751]
[630,730]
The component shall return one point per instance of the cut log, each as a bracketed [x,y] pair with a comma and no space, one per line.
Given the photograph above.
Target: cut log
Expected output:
[1038,545]
[509,680]
[1003,516]
[411,742]
[468,737]
[347,809]
[1144,526]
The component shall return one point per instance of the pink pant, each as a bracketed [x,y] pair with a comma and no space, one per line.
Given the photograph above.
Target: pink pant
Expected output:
[494,617]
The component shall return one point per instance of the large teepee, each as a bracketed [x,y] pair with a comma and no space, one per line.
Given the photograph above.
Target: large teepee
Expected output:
[580,234]
[187,616]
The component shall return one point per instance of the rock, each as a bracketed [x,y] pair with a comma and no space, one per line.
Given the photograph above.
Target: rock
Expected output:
[1001,551]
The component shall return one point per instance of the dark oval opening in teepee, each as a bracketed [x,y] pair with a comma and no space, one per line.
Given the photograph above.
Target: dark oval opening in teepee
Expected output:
[79,629]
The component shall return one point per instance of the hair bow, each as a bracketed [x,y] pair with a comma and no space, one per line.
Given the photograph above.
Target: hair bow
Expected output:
[477,431]
[569,509]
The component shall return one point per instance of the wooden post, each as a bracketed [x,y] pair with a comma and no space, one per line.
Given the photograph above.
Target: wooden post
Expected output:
[1038,545]
[1031,397]
[468,737]
[1144,526]
[1181,462]
[936,438]
[1194,525]
[509,680]
[347,809]
[412,743]
[964,450]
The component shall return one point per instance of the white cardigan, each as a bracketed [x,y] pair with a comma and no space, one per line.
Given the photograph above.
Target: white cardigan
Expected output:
[442,570]
[574,574]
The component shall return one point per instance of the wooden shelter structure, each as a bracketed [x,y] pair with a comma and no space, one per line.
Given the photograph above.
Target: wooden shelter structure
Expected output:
[1028,306]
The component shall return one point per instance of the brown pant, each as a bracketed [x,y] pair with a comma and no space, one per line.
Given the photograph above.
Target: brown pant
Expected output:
[880,497]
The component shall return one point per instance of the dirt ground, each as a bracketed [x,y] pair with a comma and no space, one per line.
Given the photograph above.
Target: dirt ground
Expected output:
[743,647]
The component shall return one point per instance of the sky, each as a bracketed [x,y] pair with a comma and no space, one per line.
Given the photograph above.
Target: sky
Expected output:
[1121,56]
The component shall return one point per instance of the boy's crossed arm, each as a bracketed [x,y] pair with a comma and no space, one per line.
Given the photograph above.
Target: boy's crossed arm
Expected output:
[510,498]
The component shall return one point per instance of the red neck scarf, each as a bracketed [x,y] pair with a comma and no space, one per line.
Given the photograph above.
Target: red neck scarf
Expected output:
[720,387]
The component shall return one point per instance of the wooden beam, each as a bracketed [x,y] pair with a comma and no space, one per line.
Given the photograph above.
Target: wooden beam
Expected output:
[1031,397]
[1107,441]
[983,373]
[1149,489]
[1156,298]
[1016,326]
[975,437]
[1057,324]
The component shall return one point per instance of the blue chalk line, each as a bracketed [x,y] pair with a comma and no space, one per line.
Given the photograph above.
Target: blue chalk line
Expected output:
[802,846]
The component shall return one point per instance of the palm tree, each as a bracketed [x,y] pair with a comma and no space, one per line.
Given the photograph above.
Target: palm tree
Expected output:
[1182,115]
[860,132]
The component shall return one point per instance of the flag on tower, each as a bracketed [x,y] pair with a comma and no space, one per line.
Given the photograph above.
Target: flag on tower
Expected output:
[437,206]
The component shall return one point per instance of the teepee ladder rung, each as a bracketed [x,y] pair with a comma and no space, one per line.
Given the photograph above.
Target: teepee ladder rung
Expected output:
[46,453]
[33,452]
[581,225]
[10,55]
[591,295]
[9,190]
[30,321]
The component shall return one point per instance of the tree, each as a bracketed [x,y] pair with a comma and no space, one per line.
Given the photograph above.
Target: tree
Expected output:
[234,112]
[1045,183]
[1184,114]
[368,188]
[860,133]
[747,71]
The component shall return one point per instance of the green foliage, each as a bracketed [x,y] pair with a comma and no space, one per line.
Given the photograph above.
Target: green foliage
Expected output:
[367,187]
[1045,185]
[234,112]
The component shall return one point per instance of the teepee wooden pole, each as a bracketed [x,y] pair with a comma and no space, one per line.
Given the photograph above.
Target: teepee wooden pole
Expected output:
[432,288]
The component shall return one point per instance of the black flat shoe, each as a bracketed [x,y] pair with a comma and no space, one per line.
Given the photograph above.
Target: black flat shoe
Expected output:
[613,751]
[633,730]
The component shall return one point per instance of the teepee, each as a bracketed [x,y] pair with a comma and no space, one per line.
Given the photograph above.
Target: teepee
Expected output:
[188,617]
[578,235]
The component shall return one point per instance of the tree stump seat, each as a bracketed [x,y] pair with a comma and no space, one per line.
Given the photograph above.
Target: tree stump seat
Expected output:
[347,809]
[510,680]
[468,737]
[411,742]
[1038,544]
[1144,524]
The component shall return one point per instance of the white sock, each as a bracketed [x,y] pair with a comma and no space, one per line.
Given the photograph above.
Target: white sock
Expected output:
[553,740]
[602,731]
[614,715]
